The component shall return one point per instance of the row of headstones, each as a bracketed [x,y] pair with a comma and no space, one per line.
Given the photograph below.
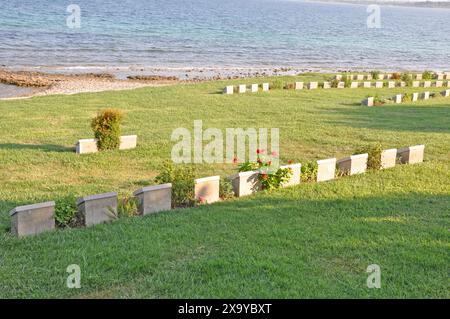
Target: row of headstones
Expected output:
[340,85]
[86,146]
[101,208]
[370,101]
[388,76]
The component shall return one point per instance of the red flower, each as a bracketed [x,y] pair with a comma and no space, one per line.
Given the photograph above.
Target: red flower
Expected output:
[269,163]
[259,151]
[201,199]
[275,154]
[259,161]
[264,176]
[290,162]
[235,160]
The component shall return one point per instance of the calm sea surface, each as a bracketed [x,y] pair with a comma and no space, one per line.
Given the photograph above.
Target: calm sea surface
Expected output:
[218,33]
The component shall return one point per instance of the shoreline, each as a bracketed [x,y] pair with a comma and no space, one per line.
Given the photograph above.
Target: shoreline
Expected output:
[70,80]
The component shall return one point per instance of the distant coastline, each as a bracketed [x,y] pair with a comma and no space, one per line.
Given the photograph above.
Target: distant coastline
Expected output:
[420,4]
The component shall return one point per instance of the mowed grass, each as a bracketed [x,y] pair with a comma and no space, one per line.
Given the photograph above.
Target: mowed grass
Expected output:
[314,240]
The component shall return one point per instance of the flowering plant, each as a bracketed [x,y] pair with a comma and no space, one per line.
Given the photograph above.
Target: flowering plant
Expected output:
[269,178]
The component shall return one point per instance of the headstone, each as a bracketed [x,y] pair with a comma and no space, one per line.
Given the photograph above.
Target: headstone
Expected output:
[368,101]
[242,88]
[98,208]
[295,176]
[207,189]
[355,164]
[128,142]
[388,158]
[440,76]
[448,84]
[391,84]
[341,85]
[426,95]
[402,84]
[360,77]
[369,77]
[354,85]
[254,88]
[415,97]
[86,146]
[338,77]
[427,84]
[379,85]
[245,183]
[32,219]
[265,87]
[153,199]
[416,84]
[439,84]
[367,85]
[412,154]
[313,85]
[446,93]
[419,77]
[398,98]
[299,85]
[326,85]
[326,169]
[228,89]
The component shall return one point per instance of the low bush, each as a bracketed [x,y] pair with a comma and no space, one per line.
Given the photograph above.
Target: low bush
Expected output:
[66,213]
[309,171]
[407,78]
[225,189]
[182,179]
[374,151]
[375,75]
[127,206]
[378,101]
[106,127]
[427,75]
[396,76]
[277,84]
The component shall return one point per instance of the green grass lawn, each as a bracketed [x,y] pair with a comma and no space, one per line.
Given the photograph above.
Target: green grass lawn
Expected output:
[313,240]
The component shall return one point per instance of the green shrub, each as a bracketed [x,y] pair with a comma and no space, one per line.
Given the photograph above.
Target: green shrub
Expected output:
[225,189]
[407,78]
[127,206]
[347,81]
[374,151]
[66,213]
[396,76]
[309,171]
[277,84]
[182,179]
[406,97]
[106,127]
[375,75]
[377,100]
[427,75]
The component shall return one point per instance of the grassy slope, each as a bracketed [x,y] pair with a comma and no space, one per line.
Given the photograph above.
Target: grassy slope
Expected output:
[308,241]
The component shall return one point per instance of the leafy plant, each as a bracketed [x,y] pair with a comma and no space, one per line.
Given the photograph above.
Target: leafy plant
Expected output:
[407,78]
[374,151]
[225,189]
[269,179]
[396,76]
[182,179]
[277,84]
[127,206]
[427,75]
[309,171]
[406,97]
[375,75]
[378,101]
[66,213]
[106,127]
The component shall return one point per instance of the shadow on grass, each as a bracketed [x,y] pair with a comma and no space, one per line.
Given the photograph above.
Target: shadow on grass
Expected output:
[42,147]
[423,118]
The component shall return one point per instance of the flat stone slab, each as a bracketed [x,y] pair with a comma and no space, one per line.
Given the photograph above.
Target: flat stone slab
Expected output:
[412,154]
[341,85]
[368,101]
[299,85]
[415,97]
[388,158]
[419,77]
[379,85]
[32,219]
[87,146]
[398,98]
[445,93]
[416,84]
[326,85]
[207,189]
[245,183]
[439,84]
[360,77]
[265,87]
[391,84]
[153,199]
[242,88]
[427,84]
[228,89]
[354,85]
[326,169]
[254,88]
[355,164]
[426,95]
[313,85]
[296,170]
[367,85]
[98,209]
